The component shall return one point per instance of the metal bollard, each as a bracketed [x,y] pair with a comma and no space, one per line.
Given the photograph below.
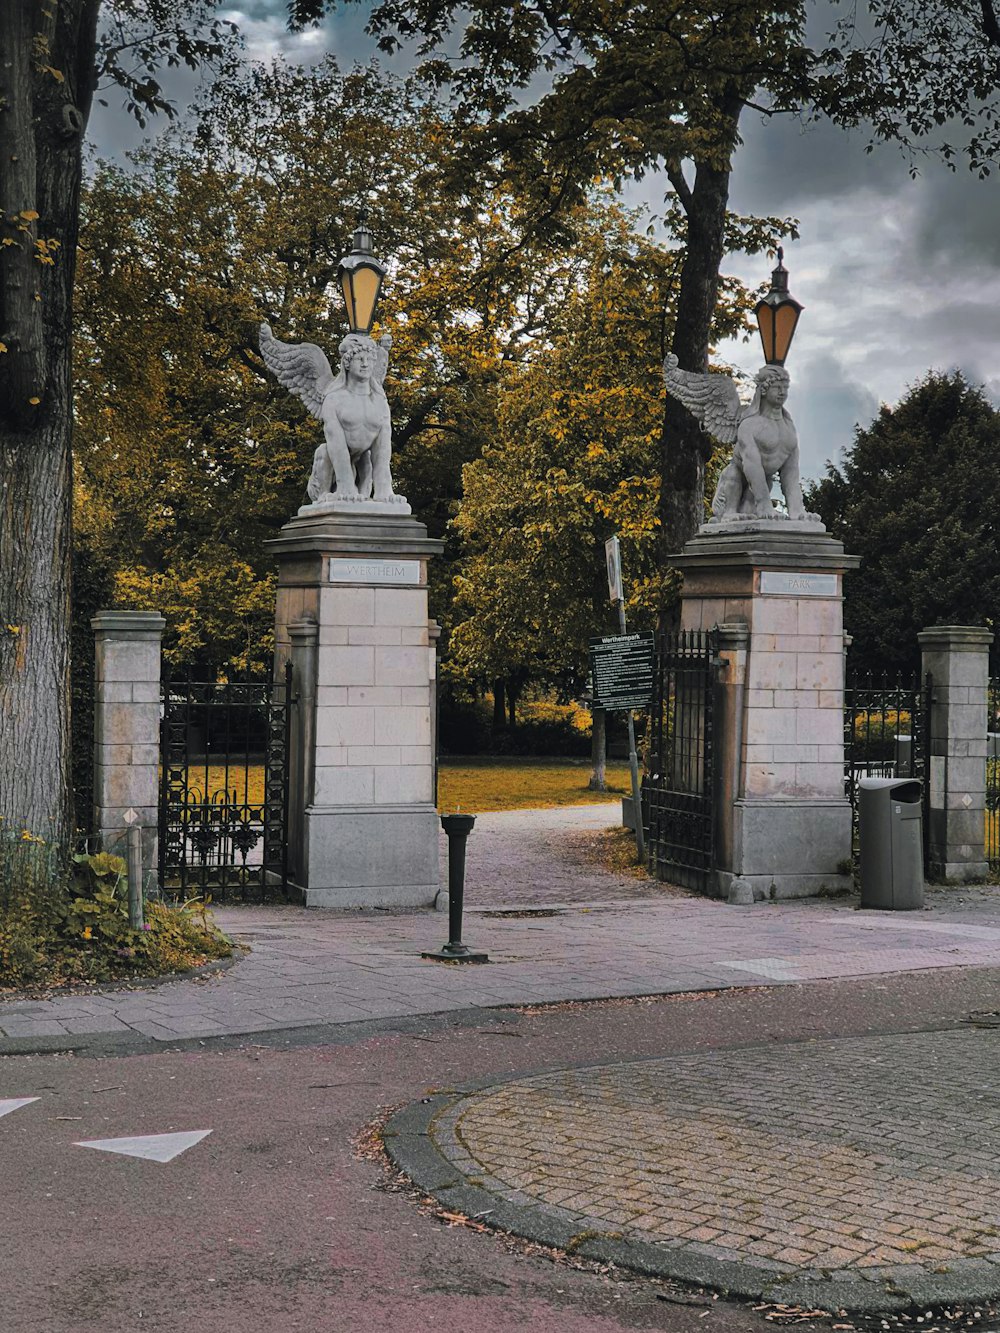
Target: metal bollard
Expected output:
[458,827]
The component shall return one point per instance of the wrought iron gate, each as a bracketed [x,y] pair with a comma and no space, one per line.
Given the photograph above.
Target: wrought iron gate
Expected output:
[886,722]
[224,788]
[680,786]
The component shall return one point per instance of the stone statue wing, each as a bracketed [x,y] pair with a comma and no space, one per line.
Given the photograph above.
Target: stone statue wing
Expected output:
[382,357]
[301,367]
[711,399]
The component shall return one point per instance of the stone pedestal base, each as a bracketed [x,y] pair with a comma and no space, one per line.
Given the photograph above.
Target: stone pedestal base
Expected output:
[782,820]
[790,849]
[352,615]
[381,857]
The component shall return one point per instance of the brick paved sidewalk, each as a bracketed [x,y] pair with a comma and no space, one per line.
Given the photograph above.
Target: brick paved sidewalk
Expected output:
[317,968]
[851,1173]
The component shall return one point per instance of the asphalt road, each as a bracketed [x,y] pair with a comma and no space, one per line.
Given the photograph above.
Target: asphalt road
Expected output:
[281,1218]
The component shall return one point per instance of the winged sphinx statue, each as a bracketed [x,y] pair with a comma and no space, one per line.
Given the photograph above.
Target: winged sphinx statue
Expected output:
[762,434]
[351,466]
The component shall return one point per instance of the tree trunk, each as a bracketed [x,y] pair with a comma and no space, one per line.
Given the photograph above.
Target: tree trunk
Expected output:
[685,448]
[499,707]
[46,84]
[598,751]
[513,690]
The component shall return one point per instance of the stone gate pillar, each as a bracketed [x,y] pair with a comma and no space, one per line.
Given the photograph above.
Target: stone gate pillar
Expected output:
[775,588]
[368,831]
[127,648]
[957,659]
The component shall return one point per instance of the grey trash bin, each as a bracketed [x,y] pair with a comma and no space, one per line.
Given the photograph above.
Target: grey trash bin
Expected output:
[890,835]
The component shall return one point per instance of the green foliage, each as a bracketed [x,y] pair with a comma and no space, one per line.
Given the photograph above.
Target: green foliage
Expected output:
[544,728]
[58,927]
[915,498]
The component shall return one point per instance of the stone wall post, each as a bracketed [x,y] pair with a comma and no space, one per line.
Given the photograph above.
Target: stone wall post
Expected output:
[127,728]
[957,659]
[734,646]
[304,637]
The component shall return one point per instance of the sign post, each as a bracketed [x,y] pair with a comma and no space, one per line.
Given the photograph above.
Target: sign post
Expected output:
[620,674]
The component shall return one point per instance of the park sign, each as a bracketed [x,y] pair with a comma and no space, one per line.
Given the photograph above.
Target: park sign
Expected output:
[621,669]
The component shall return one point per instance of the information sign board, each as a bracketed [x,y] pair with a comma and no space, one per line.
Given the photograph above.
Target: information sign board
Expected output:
[621,668]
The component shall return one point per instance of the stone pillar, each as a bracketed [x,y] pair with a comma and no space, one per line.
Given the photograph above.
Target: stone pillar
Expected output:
[369,827]
[775,588]
[957,659]
[434,642]
[304,654]
[127,727]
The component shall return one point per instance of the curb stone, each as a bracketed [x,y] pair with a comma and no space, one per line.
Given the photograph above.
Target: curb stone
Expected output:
[410,1138]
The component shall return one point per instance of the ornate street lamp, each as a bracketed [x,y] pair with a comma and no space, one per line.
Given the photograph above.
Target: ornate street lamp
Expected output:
[360,275]
[777,315]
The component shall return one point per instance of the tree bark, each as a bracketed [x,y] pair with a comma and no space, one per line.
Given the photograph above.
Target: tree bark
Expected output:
[46,85]
[685,448]
[598,751]
[499,707]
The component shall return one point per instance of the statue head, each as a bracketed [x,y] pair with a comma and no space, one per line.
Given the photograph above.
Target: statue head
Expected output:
[767,378]
[351,348]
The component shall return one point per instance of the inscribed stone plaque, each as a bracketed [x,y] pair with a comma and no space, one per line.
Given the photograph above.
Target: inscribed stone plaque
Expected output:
[391,572]
[621,668]
[785,583]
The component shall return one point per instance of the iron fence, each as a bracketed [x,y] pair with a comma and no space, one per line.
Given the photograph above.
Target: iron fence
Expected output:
[224,788]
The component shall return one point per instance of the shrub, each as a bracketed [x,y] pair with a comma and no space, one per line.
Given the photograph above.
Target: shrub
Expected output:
[73,926]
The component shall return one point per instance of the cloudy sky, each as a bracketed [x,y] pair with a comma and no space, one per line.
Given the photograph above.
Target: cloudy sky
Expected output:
[896,275]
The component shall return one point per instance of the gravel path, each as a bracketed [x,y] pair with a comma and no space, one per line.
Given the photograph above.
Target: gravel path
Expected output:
[519,858]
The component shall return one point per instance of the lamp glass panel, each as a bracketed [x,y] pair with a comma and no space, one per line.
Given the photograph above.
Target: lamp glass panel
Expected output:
[345,283]
[366,285]
[785,319]
[765,323]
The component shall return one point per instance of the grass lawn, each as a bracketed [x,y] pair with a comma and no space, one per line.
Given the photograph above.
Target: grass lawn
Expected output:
[474,785]
[479,785]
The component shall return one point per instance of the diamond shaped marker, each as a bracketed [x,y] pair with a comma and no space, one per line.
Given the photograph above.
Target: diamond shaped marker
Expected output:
[154,1147]
[8,1104]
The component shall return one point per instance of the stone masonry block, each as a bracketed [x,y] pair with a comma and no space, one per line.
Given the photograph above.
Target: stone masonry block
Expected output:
[400,606]
[758,754]
[796,754]
[796,698]
[128,724]
[775,615]
[331,756]
[770,726]
[415,636]
[416,754]
[401,666]
[146,755]
[128,661]
[404,786]
[115,692]
[346,666]
[760,698]
[403,726]
[373,696]
[376,634]
[373,755]
[967,720]
[331,696]
[347,606]
[334,635]
[124,785]
[415,696]
[820,615]
[770,780]
[146,692]
[344,786]
[345,726]
[816,780]
[819,671]
[107,755]
[771,671]
[819,726]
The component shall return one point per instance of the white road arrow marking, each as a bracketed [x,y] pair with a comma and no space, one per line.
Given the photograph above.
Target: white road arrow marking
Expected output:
[154,1147]
[9,1104]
